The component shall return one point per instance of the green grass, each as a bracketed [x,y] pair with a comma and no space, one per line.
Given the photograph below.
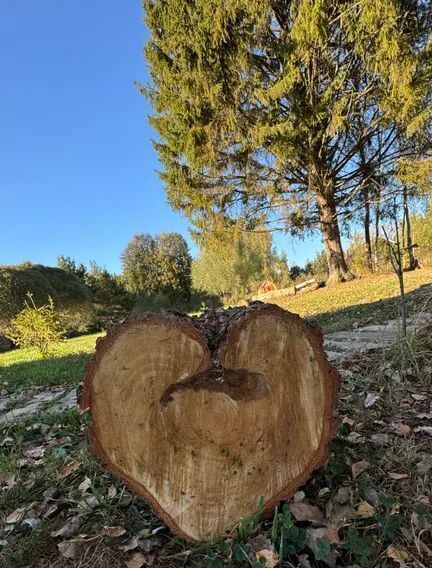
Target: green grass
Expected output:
[367,299]
[65,365]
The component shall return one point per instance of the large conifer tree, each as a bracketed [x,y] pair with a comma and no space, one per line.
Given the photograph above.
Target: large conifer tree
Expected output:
[254,102]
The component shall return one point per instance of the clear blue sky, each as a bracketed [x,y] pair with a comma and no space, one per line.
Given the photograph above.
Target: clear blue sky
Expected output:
[77,168]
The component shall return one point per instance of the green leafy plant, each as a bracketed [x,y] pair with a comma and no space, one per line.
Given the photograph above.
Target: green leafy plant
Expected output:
[286,538]
[360,546]
[37,327]
[248,527]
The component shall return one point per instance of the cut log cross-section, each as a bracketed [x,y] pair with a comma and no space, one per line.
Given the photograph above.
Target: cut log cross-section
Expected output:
[203,417]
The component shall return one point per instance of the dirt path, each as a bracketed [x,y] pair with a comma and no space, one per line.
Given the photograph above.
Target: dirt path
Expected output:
[337,345]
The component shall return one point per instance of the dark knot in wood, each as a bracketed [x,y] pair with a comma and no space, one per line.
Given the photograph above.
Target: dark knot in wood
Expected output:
[239,384]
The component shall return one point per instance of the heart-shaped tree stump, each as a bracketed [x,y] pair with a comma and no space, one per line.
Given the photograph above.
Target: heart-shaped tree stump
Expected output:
[204,416]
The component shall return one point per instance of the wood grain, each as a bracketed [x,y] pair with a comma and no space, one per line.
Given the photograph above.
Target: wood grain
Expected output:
[202,417]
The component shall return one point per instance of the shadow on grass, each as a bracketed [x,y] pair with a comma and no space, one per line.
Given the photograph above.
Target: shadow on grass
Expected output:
[57,370]
[418,300]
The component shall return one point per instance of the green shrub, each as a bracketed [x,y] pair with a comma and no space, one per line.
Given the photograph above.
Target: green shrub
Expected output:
[71,297]
[36,327]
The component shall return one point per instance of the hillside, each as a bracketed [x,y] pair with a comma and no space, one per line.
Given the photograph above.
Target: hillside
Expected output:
[367,299]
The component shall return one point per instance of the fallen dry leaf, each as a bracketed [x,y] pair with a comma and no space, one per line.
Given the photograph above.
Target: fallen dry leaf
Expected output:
[113,532]
[380,439]
[52,510]
[338,515]
[125,499]
[32,522]
[136,561]
[304,512]
[355,438]
[371,496]
[397,476]
[323,491]
[35,453]
[15,517]
[299,496]
[304,561]
[71,528]
[347,420]
[359,467]
[399,555]
[7,479]
[147,544]
[89,502]
[425,429]
[420,523]
[332,534]
[424,499]
[365,510]
[343,495]
[314,535]
[84,485]
[424,548]
[130,544]
[70,549]
[401,429]
[48,507]
[419,397]
[370,400]
[67,469]
[112,492]
[65,441]
[263,548]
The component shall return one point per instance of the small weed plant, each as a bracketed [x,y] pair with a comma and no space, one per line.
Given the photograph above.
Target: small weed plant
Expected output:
[37,327]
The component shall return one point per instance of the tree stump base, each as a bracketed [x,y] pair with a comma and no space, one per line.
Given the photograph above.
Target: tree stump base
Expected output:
[204,416]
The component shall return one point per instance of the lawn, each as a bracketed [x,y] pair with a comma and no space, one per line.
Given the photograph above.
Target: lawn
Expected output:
[21,368]
[370,505]
[368,299]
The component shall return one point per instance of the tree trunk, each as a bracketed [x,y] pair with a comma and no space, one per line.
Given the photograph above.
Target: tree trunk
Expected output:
[412,260]
[337,267]
[377,233]
[203,417]
[367,234]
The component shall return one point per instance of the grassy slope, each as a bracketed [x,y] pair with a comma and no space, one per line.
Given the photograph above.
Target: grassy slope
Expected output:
[23,367]
[370,299]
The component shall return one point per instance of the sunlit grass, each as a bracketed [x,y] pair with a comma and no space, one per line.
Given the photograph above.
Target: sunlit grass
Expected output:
[65,364]
[368,299]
